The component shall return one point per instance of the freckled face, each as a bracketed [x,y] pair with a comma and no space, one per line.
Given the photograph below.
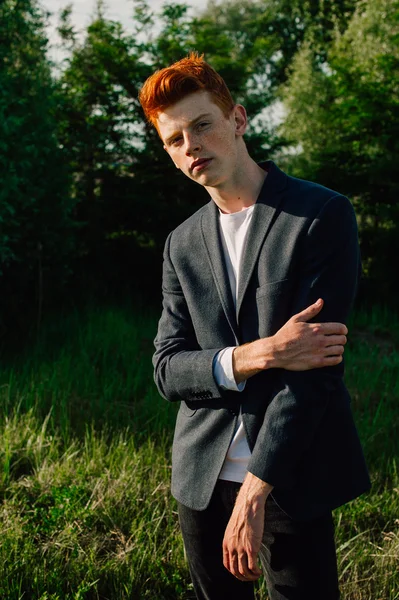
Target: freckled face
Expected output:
[200,140]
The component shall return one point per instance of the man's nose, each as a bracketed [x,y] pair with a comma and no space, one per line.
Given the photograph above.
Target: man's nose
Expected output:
[192,144]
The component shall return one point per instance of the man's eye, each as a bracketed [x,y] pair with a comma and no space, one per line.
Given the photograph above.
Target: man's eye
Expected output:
[202,124]
[175,141]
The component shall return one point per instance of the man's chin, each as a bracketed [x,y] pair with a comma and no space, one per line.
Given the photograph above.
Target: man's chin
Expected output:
[207,182]
[201,179]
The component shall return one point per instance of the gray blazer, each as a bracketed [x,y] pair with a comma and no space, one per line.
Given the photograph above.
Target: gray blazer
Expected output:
[302,244]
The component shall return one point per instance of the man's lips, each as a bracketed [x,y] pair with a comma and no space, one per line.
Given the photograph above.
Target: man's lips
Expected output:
[200,163]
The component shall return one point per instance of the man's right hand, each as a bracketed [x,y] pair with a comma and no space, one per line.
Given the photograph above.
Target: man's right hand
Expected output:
[297,346]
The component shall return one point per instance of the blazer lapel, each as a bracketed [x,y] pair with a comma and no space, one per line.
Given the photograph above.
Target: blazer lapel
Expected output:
[262,219]
[213,244]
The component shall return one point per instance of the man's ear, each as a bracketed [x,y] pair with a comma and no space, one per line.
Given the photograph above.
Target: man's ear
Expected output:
[240,118]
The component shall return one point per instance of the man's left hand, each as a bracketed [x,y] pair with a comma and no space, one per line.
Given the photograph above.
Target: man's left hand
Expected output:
[244,531]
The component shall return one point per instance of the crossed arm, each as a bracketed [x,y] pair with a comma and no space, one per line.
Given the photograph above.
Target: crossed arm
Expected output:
[297,346]
[330,270]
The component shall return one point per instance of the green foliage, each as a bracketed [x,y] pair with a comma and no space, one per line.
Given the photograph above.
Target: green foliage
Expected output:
[269,32]
[35,201]
[344,115]
[87,188]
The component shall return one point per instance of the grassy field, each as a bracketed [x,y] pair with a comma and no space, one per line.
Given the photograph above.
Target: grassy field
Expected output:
[85,465]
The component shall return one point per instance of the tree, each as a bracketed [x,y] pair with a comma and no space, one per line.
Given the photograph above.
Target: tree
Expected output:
[344,115]
[35,205]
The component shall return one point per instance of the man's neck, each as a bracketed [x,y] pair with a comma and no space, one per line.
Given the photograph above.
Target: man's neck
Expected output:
[241,191]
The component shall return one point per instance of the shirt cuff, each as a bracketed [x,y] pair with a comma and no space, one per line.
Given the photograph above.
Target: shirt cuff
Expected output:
[223,371]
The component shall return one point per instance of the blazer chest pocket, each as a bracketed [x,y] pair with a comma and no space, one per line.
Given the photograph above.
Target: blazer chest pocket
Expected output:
[272,289]
[272,301]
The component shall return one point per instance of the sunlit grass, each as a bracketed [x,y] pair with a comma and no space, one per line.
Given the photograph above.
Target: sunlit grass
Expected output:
[85,465]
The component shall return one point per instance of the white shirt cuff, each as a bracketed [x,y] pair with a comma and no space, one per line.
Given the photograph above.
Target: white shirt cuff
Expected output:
[223,371]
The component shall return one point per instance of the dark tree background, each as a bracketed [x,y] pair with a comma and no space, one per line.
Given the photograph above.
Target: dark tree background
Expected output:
[88,196]
[37,233]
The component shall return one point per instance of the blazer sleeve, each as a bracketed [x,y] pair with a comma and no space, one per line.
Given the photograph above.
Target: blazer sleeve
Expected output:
[329,269]
[182,370]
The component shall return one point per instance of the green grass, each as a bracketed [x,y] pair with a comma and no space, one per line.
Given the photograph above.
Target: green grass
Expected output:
[85,443]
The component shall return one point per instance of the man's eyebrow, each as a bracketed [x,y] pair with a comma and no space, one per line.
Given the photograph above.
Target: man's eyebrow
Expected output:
[193,122]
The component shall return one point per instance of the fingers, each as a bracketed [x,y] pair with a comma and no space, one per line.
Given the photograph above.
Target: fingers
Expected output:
[309,312]
[226,558]
[332,355]
[332,328]
[334,351]
[244,566]
[331,361]
[325,328]
[253,565]
[249,574]
[239,566]
[335,340]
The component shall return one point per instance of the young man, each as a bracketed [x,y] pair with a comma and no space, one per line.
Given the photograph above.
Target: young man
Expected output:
[265,446]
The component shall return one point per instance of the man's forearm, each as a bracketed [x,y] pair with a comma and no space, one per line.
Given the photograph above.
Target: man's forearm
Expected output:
[255,490]
[243,536]
[250,359]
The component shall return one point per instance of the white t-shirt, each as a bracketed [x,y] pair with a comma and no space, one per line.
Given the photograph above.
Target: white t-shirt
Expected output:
[234,228]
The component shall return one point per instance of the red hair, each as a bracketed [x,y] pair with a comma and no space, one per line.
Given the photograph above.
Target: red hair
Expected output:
[171,84]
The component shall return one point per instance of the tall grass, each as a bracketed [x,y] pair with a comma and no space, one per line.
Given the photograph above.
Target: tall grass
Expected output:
[368,529]
[85,465]
[91,367]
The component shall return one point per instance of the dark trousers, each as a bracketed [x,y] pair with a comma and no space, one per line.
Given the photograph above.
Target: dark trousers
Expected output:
[298,558]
